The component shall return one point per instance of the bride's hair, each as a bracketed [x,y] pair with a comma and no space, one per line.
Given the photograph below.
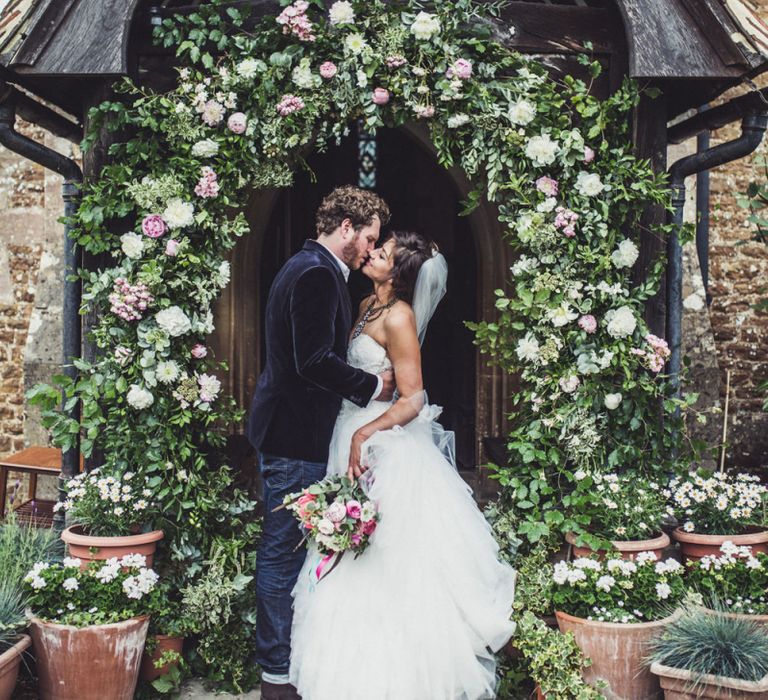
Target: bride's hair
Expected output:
[411,251]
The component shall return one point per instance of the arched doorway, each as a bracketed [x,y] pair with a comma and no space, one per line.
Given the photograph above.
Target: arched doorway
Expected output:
[423,196]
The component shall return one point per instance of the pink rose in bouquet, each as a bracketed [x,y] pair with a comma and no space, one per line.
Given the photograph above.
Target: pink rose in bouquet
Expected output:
[328,70]
[380,96]
[172,248]
[354,509]
[199,351]
[153,226]
[461,69]
[237,123]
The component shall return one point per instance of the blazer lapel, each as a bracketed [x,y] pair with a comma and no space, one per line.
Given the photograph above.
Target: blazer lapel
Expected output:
[346,300]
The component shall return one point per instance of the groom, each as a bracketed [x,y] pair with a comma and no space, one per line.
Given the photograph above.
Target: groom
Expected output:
[298,396]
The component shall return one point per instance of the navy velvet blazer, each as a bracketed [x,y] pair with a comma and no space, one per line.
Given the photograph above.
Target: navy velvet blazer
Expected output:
[299,392]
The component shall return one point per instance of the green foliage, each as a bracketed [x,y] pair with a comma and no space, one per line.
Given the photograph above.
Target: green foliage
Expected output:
[12,619]
[705,642]
[554,660]
[21,545]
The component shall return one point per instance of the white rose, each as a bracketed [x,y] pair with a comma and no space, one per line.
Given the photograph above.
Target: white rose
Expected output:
[542,150]
[139,398]
[547,205]
[621,322]
[612,401]
[589,184]
[362,79]
[569,384]
[355,44]
[626,254]
[341,13]
[580,474]
[173,321]
[205,148]
[522,112]
[326,527]
[132,245]
[425,26]
[303,77]
[528,348]
[179,214]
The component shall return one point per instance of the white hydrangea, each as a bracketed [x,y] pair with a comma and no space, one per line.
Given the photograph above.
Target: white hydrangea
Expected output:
[612,401]
[341,12]
[621,322]
[626,254]
[457,120]
[528,348]
[303,77]
[173,321]
[167,371]
[589,184]
[132,245]
[179,213]
[522,112]
[541,150]
[139,397]
[425,26]
[205,148]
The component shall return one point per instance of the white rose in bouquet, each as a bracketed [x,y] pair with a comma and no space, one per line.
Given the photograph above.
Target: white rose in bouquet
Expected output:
[425,26]
[626,254]
[139,398]
[621,322]
[132,245]
[542,150]
[589,184]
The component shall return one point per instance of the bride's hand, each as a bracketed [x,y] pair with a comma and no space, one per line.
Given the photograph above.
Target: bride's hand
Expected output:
[356,469]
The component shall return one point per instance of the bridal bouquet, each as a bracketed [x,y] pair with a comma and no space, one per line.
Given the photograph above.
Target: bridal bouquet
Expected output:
[336,514]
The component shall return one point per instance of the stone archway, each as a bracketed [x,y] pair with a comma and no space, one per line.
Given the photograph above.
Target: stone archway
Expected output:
[238,338]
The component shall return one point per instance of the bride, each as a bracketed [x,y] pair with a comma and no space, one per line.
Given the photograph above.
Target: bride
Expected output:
[419,614]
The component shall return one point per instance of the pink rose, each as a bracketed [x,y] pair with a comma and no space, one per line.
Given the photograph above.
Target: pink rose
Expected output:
[424,111]
[354,509]
[588,323]
[589,154]
[199,351]
[328,70]
[380,96]
[547,185]
[172,248]
[461,69]
[305,498]
[369,527]
[356,540]
[237,122]
[153,226]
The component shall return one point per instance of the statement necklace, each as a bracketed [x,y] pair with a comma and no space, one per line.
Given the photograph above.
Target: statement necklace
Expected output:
[369,313]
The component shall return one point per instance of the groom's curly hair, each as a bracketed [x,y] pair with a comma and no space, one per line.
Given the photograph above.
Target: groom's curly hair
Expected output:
[348,202]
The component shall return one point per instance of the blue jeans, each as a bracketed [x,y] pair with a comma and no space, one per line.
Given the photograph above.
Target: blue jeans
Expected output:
[277,564]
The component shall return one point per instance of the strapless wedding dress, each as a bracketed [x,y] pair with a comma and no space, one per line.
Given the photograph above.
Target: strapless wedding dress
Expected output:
[419,614]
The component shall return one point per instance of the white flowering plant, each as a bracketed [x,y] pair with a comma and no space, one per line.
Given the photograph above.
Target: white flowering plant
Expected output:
[109,503]
[718,503]
[103,592]
[628,506]
[735,580]
[618,590]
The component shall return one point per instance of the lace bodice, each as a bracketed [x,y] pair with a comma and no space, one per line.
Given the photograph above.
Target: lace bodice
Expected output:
[366,354]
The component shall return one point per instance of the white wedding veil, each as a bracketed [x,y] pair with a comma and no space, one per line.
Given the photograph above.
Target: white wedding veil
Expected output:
[431,285]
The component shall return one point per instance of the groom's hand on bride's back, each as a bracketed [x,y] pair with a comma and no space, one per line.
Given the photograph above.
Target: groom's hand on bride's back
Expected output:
[388,386]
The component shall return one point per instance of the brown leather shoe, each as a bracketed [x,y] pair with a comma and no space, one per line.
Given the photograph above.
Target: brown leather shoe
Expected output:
[290,693]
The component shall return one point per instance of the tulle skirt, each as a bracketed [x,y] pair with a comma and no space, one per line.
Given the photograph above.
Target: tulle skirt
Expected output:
[419,614]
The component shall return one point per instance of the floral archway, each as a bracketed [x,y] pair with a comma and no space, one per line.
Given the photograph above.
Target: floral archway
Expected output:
[557,162]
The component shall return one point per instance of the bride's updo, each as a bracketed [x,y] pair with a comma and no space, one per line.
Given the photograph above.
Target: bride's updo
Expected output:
[411,251]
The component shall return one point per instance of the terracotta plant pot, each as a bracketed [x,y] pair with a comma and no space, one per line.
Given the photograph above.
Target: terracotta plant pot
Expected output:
[683,685]
[539,694]
[10,660]
[617,652]
[88,548]
[694,545]
[88,663]
[628,549]
[165,643]
[761,620]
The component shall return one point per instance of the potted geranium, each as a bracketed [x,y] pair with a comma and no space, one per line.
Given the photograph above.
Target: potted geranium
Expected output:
[704,655]
[89,626]
[168,628]
[111,513]
[717,507]
[628,515]
[614,608]
[736,580]
[12,643]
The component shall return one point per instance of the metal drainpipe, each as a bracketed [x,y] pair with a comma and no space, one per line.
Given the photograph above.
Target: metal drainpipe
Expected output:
[753,127]
[702,213]
[73,178]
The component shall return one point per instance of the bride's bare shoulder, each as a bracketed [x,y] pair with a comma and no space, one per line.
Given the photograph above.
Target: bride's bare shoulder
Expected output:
[400,318]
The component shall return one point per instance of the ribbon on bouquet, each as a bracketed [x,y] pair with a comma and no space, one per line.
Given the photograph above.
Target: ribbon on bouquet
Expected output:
[321,566]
